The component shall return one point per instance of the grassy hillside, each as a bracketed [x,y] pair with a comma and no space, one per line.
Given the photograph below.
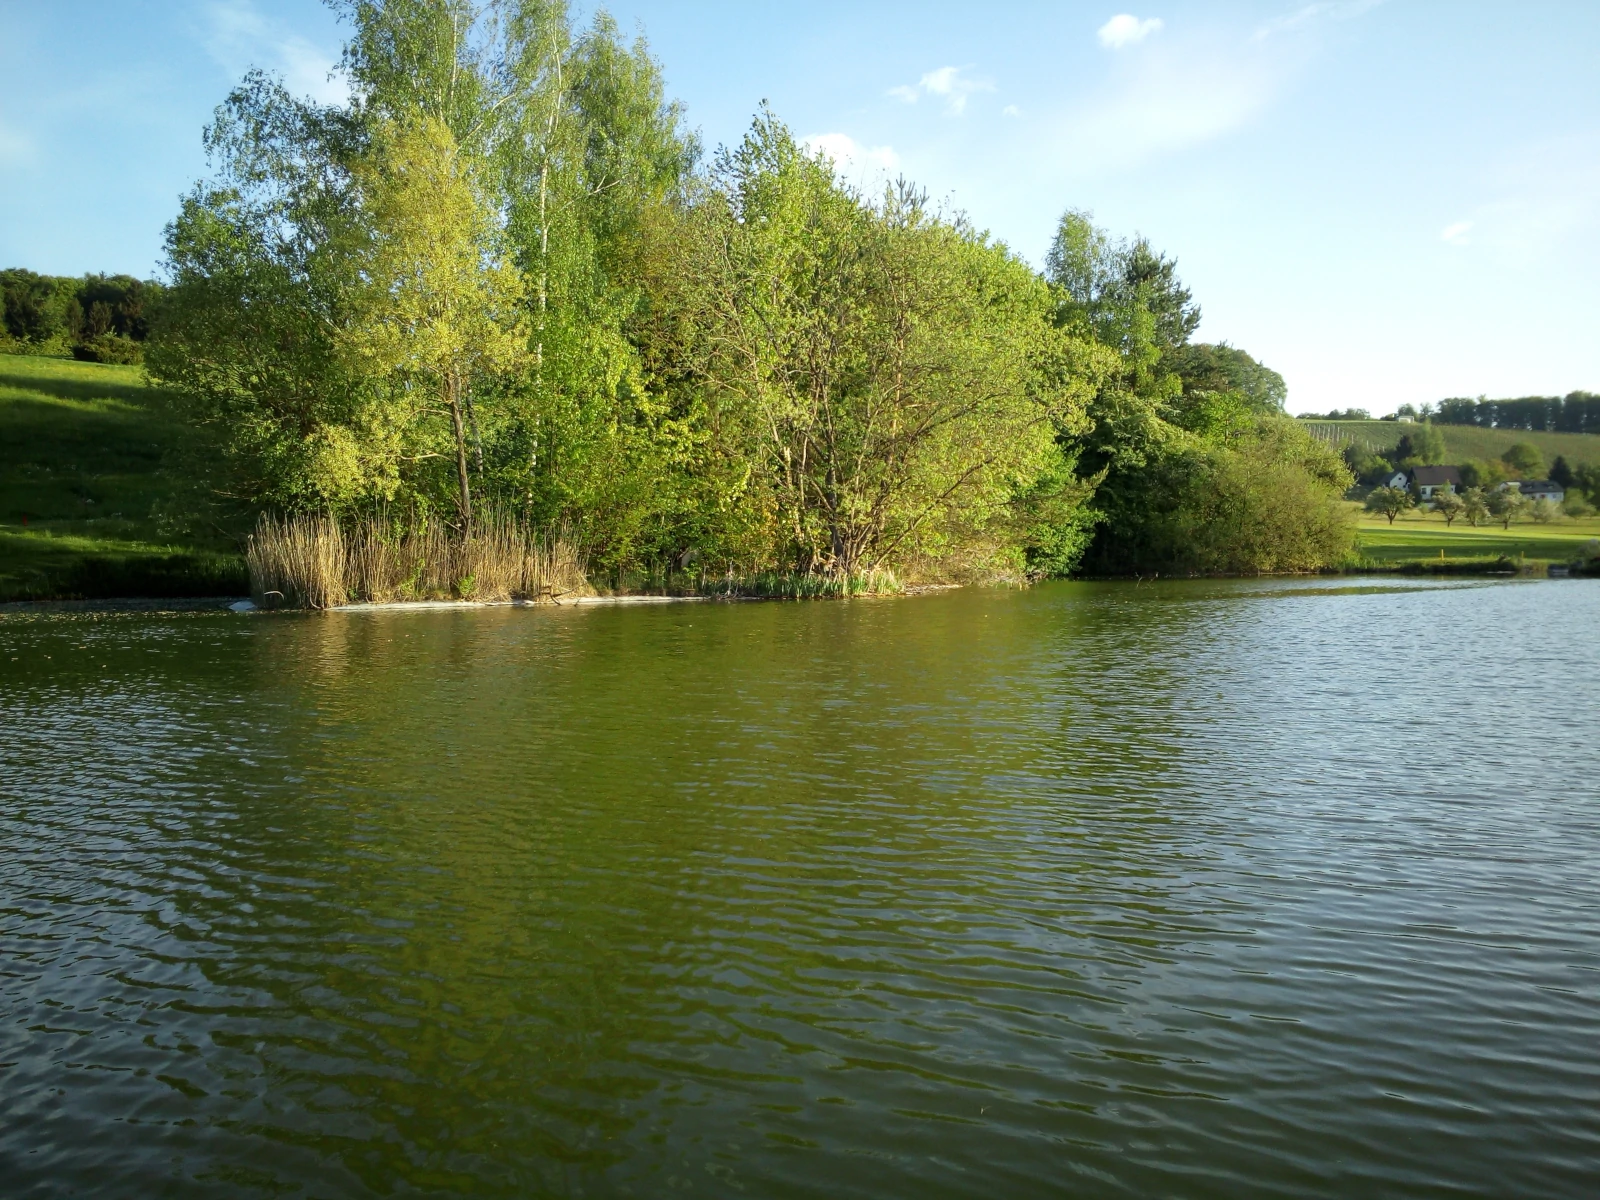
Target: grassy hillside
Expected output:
[85,472]
[1462,441]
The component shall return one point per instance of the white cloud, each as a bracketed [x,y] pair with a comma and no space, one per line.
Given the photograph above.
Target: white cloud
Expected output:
[1335,10]
[240,38]
[951,84]
[1456,233]
[1167,101]
[1011,110]
[851,159]
[1125,29]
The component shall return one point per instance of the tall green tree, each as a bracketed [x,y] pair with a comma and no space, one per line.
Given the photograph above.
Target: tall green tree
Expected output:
[1197,469]
[889,372]
[435,306]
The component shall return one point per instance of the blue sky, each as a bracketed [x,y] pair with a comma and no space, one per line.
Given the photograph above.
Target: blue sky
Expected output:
[1387,202]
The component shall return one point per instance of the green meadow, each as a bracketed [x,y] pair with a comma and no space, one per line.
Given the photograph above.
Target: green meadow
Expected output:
[88,460]
[1423,537]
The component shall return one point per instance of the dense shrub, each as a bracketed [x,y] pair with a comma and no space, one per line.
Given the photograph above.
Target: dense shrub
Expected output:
[108,348]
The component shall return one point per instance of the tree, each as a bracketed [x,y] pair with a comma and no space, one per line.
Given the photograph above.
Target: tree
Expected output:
[892,376]
[1544,511]
[437,302]
[1389,501]
[1225,368]
[1447,504]
[1586,477]
[1524,461]
[1561,472]
[1423,446]
[1482,474]
[1505,504]
[1474,506]
[1199,471]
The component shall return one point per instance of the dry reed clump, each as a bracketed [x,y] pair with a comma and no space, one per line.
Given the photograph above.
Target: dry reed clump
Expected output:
[304,561]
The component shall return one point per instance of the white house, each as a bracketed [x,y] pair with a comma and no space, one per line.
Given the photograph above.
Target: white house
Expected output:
[1538,489]
[1427,479]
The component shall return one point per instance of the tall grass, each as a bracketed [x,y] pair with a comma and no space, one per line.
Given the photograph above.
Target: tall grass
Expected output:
[305,561]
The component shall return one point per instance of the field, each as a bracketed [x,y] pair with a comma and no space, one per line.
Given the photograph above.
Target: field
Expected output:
[85,463]
[1462,441]
[1420,536]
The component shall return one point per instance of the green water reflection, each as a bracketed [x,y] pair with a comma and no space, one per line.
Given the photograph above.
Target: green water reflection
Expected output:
[1090,889]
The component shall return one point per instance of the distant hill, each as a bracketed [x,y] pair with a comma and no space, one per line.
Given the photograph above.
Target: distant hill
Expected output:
[1461,441]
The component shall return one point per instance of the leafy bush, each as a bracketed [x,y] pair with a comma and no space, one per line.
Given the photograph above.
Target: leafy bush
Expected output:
[108,348]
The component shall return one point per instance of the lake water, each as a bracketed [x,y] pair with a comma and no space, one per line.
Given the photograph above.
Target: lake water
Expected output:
[1206,889]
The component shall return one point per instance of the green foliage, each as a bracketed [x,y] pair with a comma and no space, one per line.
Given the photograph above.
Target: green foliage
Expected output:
[1267,501]
[1576,412]
[496,278]
[109,348]
[1422,446]
[891,380]
[1389,502]
[45,314]
[1523,461]
[1198,472]
[1448,504]
[1505,504]
[1474,505]
[1483,473]
[1544,511]
[1366,466]
[1225,368]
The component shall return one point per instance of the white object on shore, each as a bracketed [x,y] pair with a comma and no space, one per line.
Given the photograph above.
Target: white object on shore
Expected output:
[242,606]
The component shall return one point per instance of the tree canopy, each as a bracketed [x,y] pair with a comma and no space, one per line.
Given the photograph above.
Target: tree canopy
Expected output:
[501,275]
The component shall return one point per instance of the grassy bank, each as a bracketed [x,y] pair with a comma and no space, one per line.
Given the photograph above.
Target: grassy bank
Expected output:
[1461,442]
[85,467]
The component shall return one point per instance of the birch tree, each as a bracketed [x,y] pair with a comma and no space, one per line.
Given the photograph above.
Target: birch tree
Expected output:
[437,307]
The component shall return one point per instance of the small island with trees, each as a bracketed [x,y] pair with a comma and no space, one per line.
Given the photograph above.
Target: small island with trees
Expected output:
[498,327]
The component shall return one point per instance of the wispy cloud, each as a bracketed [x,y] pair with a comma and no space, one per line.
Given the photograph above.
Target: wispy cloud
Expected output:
[1334,10]
[951,84]
[238,38]
[853,160]
[1540,203]
[1166,102]
[1125,29]
[1185,91]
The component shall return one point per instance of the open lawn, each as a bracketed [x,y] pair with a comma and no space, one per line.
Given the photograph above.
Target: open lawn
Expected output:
[1462,442]
[84,467]
[1417,536]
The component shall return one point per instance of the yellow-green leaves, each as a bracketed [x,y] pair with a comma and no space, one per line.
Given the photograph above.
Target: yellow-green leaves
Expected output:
[434,295]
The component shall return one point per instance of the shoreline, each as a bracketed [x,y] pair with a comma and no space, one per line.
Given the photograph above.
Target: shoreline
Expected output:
[244,606]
